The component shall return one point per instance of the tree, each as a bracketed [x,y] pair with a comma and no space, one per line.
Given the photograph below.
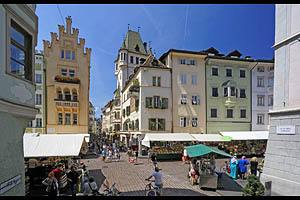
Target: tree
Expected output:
[253,187]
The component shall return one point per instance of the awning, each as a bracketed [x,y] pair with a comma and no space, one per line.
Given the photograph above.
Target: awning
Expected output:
[247,135]
[210,138]
[48,145]
[166,137]
[200,150]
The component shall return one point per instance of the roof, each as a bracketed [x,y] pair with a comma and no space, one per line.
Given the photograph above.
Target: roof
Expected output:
[182,51]
[48,145]
[234,53]
[209,138]
[133,42]
[247,135]
[201,150]
[164,137]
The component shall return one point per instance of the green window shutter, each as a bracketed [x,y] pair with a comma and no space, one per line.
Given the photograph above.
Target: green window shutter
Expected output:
[154,81]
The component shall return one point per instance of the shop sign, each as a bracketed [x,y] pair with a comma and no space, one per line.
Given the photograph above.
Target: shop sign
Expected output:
[286,130]
[9,184]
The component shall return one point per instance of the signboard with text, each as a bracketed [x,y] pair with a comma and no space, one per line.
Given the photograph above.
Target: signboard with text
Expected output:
[286,129]
[9,184]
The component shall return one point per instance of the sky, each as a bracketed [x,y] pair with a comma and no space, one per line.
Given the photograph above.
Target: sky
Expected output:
[248,28]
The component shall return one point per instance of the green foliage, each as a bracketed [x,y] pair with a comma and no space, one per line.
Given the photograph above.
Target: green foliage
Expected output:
[253,187]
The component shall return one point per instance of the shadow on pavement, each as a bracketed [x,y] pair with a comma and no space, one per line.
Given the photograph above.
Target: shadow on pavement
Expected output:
[166,192]
[98,176]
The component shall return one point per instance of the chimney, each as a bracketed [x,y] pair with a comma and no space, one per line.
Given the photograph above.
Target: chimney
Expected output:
[145,45]
[69,23]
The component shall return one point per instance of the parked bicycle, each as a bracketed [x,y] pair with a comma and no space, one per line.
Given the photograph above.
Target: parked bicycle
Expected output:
[150,189]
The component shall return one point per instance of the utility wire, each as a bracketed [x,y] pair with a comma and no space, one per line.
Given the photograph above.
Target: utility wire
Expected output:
[61,15]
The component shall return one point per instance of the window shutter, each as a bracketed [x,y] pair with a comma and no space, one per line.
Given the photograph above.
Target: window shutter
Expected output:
[187,122]
[159,102]
[164,103]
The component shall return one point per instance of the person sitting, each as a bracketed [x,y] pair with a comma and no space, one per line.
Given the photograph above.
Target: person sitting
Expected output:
[90,188]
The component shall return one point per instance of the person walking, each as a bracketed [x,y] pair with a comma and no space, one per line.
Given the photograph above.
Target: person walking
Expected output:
[243,166]
[253,166]
[154,160]
[117,154]
[136,156]
[90,188]
[84,176]
[185,155]
[73,178]
[103,155]
[158,180]
[129,154]
[52,185]
[58,171]
[233,166]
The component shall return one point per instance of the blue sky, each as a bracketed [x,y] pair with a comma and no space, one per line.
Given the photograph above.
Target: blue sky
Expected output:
[247,28]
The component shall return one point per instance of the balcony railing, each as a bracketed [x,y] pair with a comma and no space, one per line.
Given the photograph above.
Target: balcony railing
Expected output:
[66,79]
[67,104]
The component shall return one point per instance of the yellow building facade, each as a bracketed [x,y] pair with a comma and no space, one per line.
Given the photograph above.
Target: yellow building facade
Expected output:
[67,64]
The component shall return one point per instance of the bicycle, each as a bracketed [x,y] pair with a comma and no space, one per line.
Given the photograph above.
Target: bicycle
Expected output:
[151,190]
[112,191]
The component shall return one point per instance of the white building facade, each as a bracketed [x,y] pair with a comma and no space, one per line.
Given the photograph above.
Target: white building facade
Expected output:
[282,157]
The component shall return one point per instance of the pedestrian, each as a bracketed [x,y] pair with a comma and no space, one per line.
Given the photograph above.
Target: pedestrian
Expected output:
[52,185]
[136,156]
[90,188]
[149,155]
[84,175]
[117,154]
[73,178]
[32,164]
[154,160]
[233,166]
[243,166]
[103,155]
[253,166]
[58,171]
[129,154]
[158,180]
[185,155]
[110,154]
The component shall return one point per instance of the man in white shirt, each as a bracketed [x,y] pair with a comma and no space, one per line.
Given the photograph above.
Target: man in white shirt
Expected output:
[158,179]
[90,187]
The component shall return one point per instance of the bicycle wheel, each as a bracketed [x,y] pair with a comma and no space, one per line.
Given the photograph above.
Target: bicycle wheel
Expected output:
[150,193]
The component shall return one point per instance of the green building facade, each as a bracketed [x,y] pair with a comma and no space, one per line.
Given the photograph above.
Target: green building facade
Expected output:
[228,94]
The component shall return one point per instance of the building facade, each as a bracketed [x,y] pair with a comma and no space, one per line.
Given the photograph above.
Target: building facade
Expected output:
[91,118]
[282,157]
[38,125]
[18,30]
[67,81]
[262,94]
[188,90]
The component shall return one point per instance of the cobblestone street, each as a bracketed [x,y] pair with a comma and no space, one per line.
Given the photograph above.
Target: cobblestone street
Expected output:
[130,178]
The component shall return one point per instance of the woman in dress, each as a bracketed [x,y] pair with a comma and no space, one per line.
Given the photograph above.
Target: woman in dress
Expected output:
[233,166]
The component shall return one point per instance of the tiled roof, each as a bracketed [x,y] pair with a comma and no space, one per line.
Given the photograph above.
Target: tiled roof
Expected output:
[133,42]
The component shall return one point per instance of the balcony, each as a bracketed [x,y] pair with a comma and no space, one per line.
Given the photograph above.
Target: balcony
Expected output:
[67,79]
[71,104]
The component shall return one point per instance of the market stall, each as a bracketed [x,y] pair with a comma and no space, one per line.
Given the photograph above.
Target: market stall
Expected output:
[207,173]
[49,150]
[167,146]
[247,143]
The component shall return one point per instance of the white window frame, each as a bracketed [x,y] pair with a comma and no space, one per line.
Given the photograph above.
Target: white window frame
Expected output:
[184,122]
[263,100]
[194,122]
[182,61]
[195,100]
[260,121]
[214,67]
[241,113]
[194,79]
[183,79]
[260,81]
[183,99]
[213,92]
[226,68]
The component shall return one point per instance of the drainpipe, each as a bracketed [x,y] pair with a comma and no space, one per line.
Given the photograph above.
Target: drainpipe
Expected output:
[251,95]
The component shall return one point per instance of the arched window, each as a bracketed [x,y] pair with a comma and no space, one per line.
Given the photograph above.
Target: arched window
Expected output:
[67,95]
[59,94]
[74,94]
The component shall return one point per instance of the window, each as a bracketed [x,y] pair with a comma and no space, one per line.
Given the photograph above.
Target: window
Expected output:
[260,69]
[194,80]
[157,102]
[20,52]
[67,96]
[71,73]
[260,119]
[225,91]
[156,81]
[182,61]
[123,112]
[214,71]
[131,59]
[192,62]
[38,100]
[74,118]
[183,99]
[161,124]
[229,72]
[195,100]
[73,55]
[183,78]
[59,95]
[148,102]
[137,60]
[137,124]
[215,92]
[60,118]
[62,54]
[184,122]
[75,98]
[38,122]
[152,124]
[242,93]
[260,100]
[270,100]
[243,113]
[128,110]
[242,73]
[194,122]
[64,72]
[38,78]
[30,124]
[260,81]
[67,118]
[271,81]
[271,68]
[229,113]
[164,103]
[232,91]
[68,55]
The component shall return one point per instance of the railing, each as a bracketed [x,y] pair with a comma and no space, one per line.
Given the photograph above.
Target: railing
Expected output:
[67,104]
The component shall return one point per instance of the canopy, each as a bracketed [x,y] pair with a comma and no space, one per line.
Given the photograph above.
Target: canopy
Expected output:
[166,137]
[48,145]
[200,150]
[247,135]
[210,138]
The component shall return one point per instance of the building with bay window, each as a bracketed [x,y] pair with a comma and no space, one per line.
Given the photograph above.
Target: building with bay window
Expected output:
[67,64]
